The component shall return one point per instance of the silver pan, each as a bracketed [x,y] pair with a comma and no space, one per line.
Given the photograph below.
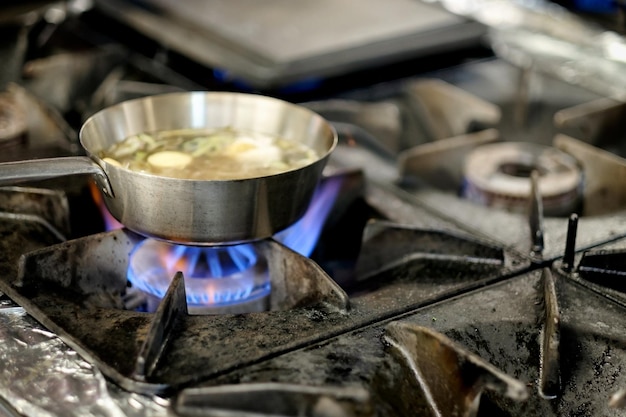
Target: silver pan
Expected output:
[198,212]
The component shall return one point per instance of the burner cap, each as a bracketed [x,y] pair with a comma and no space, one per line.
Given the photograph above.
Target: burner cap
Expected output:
[498,175]
[12,120]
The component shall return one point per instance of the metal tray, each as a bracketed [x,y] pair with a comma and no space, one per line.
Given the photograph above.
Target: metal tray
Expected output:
[278,42]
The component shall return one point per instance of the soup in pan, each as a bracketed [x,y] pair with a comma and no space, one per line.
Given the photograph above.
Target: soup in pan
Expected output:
[198,154]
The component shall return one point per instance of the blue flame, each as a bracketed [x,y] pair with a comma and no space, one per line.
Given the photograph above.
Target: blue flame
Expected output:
[303,235]
[213,276]
[219,262]
[220,276]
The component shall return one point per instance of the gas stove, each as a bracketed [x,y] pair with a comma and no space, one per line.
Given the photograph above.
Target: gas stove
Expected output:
[462,255]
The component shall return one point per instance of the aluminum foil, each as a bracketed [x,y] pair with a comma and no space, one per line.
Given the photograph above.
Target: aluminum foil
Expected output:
[41,376]
[541,35]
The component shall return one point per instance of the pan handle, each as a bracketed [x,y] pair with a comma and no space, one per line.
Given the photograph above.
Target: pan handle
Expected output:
[12,173]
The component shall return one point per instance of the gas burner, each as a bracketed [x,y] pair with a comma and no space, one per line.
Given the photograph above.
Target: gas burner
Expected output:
[13,125]
[229,279]
[498,175]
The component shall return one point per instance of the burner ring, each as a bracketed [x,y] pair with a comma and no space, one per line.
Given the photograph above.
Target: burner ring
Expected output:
[216,278]
[498,175]
[13,124]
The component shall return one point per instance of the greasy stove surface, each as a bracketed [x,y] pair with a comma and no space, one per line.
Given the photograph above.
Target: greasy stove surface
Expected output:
[76,290]
[500,324]
[415,301]
[367,350]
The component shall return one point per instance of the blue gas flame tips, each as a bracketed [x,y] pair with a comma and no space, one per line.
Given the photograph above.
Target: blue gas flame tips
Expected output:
[213,276]
[222,276]
[303,235]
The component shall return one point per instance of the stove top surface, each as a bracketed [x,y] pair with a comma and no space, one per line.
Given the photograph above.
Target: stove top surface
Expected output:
[419,294]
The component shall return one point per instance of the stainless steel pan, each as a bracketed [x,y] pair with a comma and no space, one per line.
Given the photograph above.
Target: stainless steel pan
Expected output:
[198,212]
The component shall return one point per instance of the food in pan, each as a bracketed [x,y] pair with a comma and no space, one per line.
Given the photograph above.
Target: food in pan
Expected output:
[199,154]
